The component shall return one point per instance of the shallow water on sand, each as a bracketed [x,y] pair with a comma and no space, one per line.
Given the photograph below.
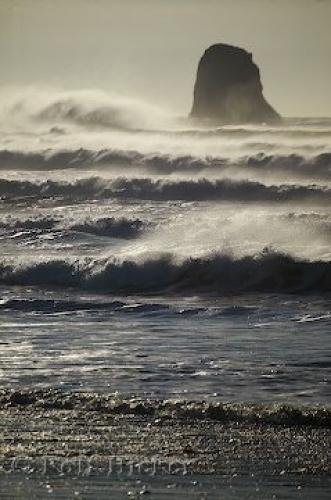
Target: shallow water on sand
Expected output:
[252,348]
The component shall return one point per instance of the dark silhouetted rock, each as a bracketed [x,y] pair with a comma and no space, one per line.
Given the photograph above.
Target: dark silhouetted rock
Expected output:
[228,88]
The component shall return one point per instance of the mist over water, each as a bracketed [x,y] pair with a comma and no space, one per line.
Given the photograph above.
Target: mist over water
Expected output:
[238,189]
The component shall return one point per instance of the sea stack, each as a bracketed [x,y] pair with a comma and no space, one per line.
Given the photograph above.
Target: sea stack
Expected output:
[228,89]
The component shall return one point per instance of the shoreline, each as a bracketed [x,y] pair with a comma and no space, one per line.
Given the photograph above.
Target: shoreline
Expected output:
[208,438]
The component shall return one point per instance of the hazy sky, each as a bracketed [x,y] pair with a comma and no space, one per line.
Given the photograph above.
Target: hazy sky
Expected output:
[150,48]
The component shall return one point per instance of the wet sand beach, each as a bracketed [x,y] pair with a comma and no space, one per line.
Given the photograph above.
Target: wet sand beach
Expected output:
[61,443]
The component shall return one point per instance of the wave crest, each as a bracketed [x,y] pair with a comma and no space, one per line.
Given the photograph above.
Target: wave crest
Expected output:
[87,108]
[266,272]
[159,190]
[311,167]
[105,226]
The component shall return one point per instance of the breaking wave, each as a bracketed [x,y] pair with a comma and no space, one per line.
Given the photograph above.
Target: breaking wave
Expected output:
[32,224]
[111,227]
[106,226]
[275,414]
[313,167]
[159,190]
[266,272]
[225,189]
[83,108]
[52,306]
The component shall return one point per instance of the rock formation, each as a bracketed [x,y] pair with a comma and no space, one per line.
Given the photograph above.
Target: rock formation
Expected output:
[228,88]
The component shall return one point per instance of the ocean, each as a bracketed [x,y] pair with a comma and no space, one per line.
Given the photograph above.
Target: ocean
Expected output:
[146,256]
